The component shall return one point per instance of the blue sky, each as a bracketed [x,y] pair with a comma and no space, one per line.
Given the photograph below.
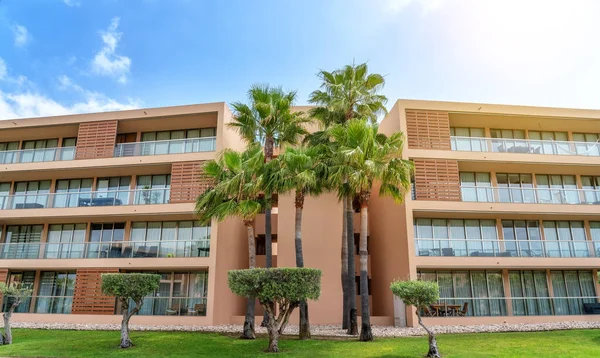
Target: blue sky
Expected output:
[75,56]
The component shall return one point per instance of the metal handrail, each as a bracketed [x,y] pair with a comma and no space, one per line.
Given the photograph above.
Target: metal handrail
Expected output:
[37,155]
[525,146]
[172,146]
[506,248]
[532,195]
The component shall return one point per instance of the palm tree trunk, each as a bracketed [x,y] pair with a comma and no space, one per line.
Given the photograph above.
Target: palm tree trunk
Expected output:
[304,328]
[248,332]
[268,151]
[366,334]
[351,285]
[345,313]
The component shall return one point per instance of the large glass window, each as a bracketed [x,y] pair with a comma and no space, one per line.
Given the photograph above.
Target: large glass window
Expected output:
[571,290]
[557,189]
[72,193]
[7,154]
[529,292]
[595,233]
[591,189]
[509,140]
[178,141]
[515,188]
[26,279]
[179,293]
[55,294]
[22,242]
[31,194]
[65,241]
[482,291]
[170,239]
[153,189]
[545,142]
[4,196]
[67,152]
[522,238]
[112,191]
[587,143]
[565,239]
[476,187]
[41,150]
[461,140]
[106,240]
[455,237]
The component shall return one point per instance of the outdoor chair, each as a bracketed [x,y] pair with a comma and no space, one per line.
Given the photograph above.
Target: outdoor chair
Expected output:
[428,312]
[448,252]
[173,311]
[199,309]
[465,310]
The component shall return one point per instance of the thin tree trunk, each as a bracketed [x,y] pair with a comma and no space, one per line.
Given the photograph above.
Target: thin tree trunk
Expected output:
[248,332]
[268,152]
[366,334]
[125,341]
[345,313]
[433,348]
[7,339]
[304,326]
[351,286]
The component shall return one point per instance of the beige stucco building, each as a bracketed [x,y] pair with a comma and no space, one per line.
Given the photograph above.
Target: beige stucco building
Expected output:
[504,215]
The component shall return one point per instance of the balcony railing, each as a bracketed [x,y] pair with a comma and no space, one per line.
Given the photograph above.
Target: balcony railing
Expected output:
[173,306]
[526,146]
[506,248]
[53,304]
[173,146]
[530,195]
[37,155]
[85,199]
[118,249]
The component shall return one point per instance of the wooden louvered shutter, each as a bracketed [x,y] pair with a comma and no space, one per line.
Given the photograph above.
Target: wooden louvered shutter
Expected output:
[427,129]
[88,297]
[437,180]
[187,182]
[96,140]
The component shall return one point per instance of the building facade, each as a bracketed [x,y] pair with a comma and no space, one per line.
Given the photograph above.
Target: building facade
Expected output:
[504,214]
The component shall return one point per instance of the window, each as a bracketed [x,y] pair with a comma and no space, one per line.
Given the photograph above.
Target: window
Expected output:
[549,142]
[113,191]
[55,294]
[4,196]
[31,194]
[565,239]
[595,234]
[106,240]
[571,290]
[66,241]
[483,291]
[591,189]
[461,139]
[72,193]
[476,187]
[455,237]
[67,151]
[587,143]
[170,239]
[22,242]
[557,189]
[26,279]
[522,238]
[7,152]
[178,141]
[42,150]
[533,287]
[515,188]
[153,189]
[509,140]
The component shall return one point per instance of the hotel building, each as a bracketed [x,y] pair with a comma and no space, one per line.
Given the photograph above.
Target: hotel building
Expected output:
[504,214]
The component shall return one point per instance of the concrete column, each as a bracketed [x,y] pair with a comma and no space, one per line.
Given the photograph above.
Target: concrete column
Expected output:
[43,240]
[36,289]
[507,294]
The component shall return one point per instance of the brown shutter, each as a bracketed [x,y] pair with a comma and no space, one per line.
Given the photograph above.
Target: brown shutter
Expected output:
[88,297]
[427,129]
[437,180]
[187,182]
[96,140]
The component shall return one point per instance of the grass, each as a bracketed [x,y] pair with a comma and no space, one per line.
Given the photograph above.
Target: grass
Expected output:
[48,343]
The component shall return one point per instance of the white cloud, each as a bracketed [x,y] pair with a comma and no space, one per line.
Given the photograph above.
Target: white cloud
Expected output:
[72,2]
[3,70]
[396,6]
[22,36]
[107,62]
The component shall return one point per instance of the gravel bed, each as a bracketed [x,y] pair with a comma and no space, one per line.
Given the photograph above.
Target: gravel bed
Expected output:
[327,330]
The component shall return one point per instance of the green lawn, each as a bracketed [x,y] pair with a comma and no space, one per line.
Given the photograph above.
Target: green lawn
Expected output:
[46,343]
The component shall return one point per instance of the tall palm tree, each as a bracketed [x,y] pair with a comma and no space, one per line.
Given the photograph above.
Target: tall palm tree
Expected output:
[236,192]
[302,171]
[366,157]
[348,93]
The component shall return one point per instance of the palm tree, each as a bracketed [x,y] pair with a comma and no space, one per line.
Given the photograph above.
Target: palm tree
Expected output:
[235,193]
[366,157]
[299,170]
[347,93]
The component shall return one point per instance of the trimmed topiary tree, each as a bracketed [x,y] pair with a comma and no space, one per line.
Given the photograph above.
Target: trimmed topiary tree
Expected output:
[419,294]
[18,293]
[284,287]
[126,287]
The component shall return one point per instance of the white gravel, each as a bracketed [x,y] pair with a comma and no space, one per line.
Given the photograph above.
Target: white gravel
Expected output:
[328,331]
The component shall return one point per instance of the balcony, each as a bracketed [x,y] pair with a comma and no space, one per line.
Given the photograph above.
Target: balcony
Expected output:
[524,146]
[173,306]
[85,199]
[506,248]
[103,250]
[174,146]
[529,195]
[37,155]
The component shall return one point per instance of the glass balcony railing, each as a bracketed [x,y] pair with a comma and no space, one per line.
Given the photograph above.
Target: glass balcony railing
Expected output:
[37,155]
[530,195]
[173,146]
[53,304]
[85,199]
[173,306]
[94,250]
[506,248]
[527,146]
